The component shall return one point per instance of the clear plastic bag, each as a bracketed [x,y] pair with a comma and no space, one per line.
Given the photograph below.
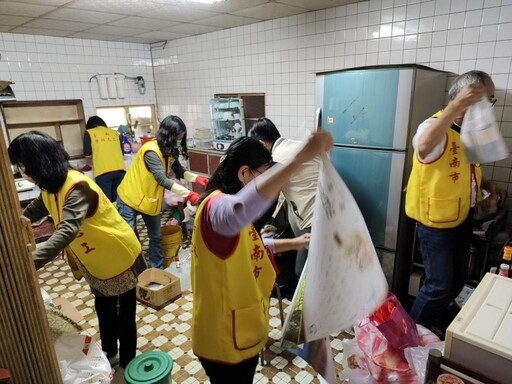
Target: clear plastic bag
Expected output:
[480,134]
[81,360]
[417,358]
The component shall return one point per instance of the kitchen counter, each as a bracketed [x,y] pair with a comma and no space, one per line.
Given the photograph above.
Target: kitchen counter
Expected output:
[204,161]
[206,150]
[27,195]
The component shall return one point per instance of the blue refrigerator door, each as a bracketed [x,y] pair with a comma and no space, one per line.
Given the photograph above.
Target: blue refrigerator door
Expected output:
[367,108]
[374,178]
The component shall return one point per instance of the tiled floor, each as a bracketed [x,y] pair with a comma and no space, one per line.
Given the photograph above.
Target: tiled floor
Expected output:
[169,329]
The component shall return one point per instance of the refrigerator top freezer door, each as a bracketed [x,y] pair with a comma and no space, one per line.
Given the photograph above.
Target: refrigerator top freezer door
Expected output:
[367,108]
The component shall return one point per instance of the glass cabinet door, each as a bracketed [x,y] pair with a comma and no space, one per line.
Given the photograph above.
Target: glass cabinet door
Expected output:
[227,121]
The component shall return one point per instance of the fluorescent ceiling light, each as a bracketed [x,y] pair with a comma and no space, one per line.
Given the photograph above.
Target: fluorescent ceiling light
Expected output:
[205,1]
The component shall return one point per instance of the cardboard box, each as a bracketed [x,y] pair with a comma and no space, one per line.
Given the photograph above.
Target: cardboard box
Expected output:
[157,288]
[68,309]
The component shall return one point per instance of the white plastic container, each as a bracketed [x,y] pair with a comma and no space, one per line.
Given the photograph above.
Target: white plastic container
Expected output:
[204,143]
[480,337]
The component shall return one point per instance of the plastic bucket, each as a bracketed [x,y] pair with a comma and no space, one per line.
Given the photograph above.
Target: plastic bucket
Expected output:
[153,367]
[172,239]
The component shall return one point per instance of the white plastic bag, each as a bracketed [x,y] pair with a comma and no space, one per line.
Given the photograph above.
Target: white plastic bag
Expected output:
[417,358]
[81,360]
[480,134]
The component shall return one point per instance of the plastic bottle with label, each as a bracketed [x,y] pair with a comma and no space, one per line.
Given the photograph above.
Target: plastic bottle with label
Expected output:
[506,259]
[127,145]
[504,270]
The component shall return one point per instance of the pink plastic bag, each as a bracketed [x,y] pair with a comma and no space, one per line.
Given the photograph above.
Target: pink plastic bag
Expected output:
[381,360]
[395,324]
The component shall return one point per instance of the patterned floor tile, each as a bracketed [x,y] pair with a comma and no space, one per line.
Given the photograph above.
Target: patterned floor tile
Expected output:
[169,329]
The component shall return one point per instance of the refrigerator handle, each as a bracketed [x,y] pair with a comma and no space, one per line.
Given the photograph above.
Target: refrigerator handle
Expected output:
[318,119]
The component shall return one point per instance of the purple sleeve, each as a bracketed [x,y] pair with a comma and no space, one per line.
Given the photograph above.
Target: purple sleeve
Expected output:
[230,213]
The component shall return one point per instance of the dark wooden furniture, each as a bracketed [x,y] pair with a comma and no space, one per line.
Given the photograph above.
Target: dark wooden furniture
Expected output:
[437,364]
[64,120]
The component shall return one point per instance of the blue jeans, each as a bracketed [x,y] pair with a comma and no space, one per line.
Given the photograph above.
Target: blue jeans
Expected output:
[108,182]
[445,254]
[153,228]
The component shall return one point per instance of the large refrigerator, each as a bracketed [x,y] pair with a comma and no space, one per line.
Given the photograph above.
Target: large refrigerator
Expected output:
[372,114]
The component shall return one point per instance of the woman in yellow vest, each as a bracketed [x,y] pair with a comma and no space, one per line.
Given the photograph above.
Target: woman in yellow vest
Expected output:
[142,189]
[103,145]
[97,240]
[232,274]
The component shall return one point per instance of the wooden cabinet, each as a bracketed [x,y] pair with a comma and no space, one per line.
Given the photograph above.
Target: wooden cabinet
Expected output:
[254,106]
[63,120]
[203,161]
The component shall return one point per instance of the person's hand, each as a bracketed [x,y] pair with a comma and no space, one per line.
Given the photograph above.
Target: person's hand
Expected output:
[202,181]
[302,241]
[470,94]
[193,197]
[319,143]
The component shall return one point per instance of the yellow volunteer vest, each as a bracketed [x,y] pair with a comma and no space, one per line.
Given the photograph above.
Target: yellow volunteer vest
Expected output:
[439,193]
[139,189]
[105,245]
[106,151]
[231,296]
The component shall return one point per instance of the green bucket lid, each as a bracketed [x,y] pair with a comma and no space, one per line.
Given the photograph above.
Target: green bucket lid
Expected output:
[153,367]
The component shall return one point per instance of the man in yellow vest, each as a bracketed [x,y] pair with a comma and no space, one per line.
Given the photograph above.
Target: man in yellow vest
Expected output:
[104,146]
[142,189]
[442,191]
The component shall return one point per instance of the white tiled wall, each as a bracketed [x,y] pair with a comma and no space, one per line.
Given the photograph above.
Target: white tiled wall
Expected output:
[50,68]
[280,57]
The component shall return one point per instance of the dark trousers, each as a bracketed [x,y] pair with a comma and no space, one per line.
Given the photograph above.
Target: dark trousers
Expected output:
[241,373]
[445,254]
[116,319]
[108,182]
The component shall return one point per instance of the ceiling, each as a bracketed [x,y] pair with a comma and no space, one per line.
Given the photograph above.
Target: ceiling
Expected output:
[144,21]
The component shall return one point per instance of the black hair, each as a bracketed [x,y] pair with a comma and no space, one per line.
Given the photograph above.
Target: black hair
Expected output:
[42,158]
[170,128]
[243,151]
[470,77]
[264,130]
[95,121]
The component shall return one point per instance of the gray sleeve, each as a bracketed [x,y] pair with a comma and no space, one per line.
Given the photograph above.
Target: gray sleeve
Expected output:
[80,202]
[36,210]
[157,169]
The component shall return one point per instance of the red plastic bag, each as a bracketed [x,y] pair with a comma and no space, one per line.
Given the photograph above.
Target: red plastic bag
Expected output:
[380,359]
[395,324]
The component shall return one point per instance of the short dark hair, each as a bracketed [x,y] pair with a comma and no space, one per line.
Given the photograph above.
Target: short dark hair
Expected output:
[243,151]
[264,130]
[95,121]
[170,128]
[42,158]
[470,77]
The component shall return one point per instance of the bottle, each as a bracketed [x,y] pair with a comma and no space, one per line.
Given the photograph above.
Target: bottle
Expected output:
[506,259]
[504,270]
[127,145]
